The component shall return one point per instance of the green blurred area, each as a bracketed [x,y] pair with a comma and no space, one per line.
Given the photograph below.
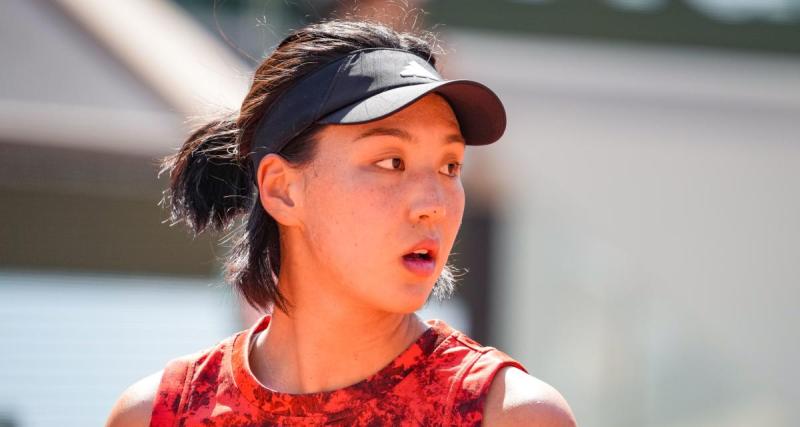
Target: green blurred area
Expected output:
[752,25]
[674,22]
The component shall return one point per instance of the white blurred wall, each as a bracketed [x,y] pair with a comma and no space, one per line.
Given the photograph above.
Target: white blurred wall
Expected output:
[73,342]
[649,197]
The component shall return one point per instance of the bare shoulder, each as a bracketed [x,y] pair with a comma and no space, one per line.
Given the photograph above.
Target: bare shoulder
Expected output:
[135,405]
[518,399]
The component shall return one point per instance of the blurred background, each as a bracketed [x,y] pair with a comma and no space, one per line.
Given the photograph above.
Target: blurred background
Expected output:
[632,239]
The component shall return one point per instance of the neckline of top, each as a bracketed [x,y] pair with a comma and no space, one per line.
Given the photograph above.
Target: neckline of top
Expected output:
[342,400]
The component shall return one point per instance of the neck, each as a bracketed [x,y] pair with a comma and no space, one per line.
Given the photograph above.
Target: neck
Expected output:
[325,343]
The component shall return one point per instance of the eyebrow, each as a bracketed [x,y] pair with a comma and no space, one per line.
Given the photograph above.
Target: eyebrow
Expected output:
[402,134]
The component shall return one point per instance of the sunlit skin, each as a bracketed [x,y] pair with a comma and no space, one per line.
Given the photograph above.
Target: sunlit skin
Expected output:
[346,220]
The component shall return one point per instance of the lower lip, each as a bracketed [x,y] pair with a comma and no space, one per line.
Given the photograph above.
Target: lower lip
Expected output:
[419,266]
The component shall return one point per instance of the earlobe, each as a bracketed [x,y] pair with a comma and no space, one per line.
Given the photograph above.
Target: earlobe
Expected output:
[276,184]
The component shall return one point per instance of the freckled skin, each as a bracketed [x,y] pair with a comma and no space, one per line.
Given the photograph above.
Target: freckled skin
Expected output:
[359,217]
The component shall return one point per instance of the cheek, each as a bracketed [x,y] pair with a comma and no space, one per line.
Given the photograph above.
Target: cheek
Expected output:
[350,216]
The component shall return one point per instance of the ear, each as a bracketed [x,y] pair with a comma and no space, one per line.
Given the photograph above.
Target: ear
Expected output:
[279,189]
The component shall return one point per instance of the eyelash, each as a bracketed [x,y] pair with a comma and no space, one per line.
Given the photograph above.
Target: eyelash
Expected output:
[455,174]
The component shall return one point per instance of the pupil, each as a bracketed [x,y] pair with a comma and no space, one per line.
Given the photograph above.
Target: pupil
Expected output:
[396,163]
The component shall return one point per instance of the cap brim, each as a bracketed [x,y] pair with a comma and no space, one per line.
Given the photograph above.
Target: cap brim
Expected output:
[480,113]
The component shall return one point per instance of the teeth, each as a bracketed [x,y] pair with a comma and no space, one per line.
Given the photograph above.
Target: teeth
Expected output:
[421,251]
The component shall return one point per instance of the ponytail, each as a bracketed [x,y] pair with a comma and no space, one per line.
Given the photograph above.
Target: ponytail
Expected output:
[210,184]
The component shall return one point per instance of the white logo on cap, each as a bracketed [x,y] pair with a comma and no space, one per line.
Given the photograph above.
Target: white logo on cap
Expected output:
[413,68]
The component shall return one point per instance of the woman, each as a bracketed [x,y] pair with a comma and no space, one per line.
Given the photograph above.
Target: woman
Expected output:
[345,159]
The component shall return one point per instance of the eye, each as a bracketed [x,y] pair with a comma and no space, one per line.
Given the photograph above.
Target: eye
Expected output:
[452,169]
[393,163]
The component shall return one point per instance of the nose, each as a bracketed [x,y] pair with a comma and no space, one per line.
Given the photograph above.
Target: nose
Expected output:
[429,204]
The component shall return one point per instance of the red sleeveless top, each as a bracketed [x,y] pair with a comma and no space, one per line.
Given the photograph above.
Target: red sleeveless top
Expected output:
[440,380]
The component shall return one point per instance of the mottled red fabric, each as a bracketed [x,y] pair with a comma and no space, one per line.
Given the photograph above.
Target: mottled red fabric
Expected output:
[440,380]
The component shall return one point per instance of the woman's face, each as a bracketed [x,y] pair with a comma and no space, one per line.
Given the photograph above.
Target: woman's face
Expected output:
[377,191]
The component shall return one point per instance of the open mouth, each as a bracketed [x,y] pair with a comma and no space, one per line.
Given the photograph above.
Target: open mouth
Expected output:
[421,260]
[423,255]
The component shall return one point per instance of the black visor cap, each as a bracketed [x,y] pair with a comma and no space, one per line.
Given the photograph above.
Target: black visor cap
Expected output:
[370,84]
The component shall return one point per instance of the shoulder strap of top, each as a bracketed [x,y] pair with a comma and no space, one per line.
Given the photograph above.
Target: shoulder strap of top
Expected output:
[172,390]
[471,395]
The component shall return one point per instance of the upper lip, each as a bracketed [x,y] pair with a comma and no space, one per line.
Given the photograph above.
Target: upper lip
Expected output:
[431,244]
